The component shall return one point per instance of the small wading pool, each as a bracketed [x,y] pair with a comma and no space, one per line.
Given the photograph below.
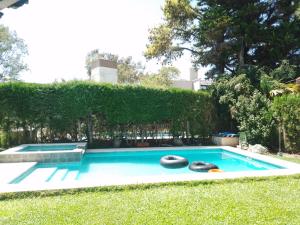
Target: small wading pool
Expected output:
[119,165]
[45,147]
[44,153]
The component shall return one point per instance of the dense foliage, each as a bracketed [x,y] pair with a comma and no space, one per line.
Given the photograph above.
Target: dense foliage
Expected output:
[163,78]
[228,35]
[286,110]
[249,99]
[76,110]
[12,52]
[247,106]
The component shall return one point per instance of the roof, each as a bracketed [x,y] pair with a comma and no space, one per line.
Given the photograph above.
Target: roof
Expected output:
[203,82]
[104,63]
[11,4]
[187,84]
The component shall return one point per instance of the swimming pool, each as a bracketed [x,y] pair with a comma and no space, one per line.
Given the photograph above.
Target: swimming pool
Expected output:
[134,164]
[106,167]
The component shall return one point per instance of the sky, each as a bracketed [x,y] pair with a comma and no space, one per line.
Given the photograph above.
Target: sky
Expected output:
[59,34]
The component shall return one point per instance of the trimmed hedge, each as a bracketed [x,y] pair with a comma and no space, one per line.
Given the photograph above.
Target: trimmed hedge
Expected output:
[60,111]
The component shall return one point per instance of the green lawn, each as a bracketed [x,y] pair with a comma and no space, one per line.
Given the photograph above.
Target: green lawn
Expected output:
[288,158]
[244,201]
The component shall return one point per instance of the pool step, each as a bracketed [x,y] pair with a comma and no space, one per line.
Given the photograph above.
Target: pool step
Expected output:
[71,175]
[41,174]
[58,175]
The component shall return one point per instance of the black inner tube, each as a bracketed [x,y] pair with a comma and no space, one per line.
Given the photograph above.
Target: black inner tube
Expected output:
[170,158]
[173,161]
[200,166]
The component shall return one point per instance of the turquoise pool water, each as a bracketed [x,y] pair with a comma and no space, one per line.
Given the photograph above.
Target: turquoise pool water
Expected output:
[45,147]
[116,165]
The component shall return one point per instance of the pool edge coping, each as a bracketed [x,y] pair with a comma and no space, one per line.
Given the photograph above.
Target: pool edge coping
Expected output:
[16,149]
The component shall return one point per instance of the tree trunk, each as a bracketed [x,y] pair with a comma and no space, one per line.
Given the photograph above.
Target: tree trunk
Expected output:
[30,134]
[41,134]
[79,130]
[220,66]
[242,54]
[90,128]
[285,138]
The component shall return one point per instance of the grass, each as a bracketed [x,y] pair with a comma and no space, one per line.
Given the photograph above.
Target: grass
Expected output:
[290,158]
[272,200]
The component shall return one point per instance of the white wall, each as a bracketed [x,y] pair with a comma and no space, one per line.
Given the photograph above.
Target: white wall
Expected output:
[186,84]
[196,85]
[199,86]
[104,74]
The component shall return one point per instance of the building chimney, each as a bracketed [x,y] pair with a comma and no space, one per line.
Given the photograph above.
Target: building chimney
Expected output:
[104,71]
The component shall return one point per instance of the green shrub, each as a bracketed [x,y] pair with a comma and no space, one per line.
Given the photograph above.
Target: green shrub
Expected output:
[254,117]
[62,111]
[247,106]
[286,110]
[4,140]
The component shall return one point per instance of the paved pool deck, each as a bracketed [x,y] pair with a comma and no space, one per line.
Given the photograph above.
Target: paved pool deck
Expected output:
[15,169]
[8,171]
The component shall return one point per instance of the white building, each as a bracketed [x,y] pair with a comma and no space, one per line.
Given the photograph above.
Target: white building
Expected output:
[201,84]
[186,84]
[104,71]
[194,83]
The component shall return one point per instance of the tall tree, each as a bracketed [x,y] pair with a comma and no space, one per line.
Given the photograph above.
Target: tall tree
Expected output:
[298,11]
[129,72]
[228,35]
[12,52]
[162,79]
